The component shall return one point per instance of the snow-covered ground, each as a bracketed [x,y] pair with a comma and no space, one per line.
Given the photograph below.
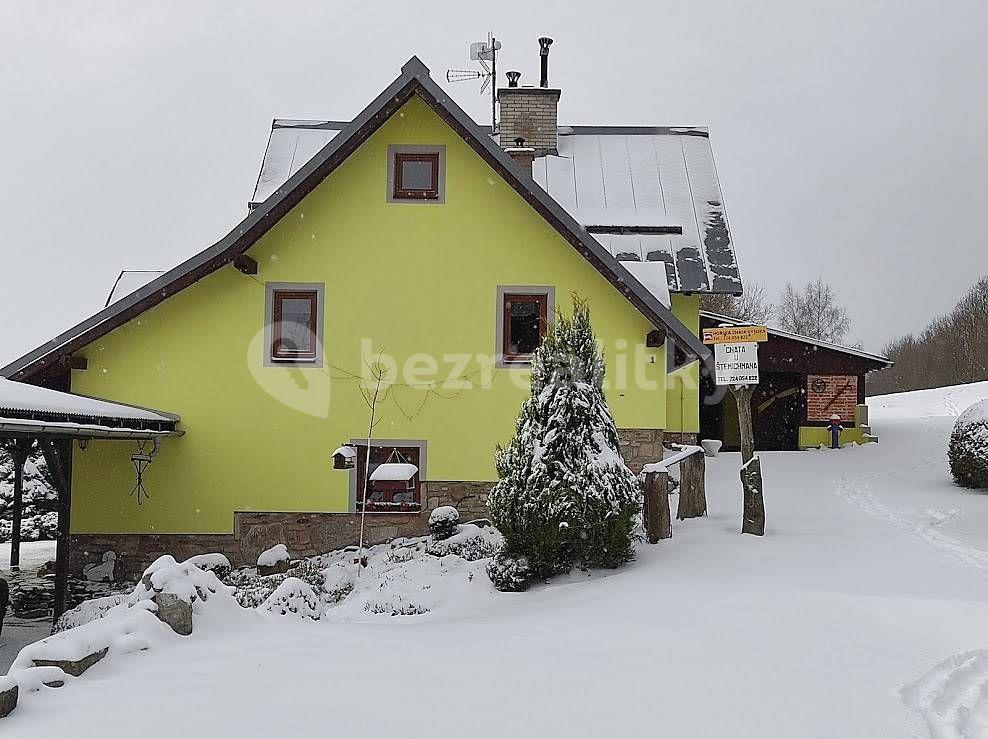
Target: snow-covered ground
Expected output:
[33,554]
[863,612]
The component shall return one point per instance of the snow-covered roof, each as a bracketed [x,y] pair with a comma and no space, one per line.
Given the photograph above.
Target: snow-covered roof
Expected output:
[394,471]
[130,280]
[414,80]
[799,337]
[626,176]
[291,144]
[21,400]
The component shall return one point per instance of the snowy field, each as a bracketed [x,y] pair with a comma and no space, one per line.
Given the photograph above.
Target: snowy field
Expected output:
[33,555]
[863,612]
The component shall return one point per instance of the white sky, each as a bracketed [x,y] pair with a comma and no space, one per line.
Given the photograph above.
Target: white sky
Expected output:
[849,136]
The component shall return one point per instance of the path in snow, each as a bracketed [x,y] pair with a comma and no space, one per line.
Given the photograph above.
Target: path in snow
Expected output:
[952,698]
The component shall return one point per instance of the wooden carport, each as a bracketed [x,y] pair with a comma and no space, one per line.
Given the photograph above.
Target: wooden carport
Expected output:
[52,420]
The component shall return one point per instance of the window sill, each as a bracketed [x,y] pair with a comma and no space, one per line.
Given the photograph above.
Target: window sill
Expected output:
[390,508]
[278,361]
[520,363]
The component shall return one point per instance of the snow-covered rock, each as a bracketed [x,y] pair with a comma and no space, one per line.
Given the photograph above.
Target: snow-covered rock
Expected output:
[273,561]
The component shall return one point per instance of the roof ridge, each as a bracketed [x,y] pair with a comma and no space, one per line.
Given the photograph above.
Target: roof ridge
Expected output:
[414,80]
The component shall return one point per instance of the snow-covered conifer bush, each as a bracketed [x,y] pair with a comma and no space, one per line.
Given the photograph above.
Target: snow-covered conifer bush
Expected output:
[510,573]
[565,496]
[443,521]
[39,517]
[968,449]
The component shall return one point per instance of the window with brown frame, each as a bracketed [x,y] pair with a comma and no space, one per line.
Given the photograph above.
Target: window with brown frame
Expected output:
[526,318]
[388,495]
[416,175]
[294,329]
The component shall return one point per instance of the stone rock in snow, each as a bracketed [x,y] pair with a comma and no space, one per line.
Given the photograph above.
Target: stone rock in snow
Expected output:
[8,696]
[273,561]
[175,612]
[73,667]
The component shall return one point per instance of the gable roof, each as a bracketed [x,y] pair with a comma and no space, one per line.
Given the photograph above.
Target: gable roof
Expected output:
[413,80]
[657,185]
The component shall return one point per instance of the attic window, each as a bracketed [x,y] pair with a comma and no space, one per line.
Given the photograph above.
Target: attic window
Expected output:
[415,174]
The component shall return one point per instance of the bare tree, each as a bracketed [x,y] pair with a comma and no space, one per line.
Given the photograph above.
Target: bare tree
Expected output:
[752,305]
[813,311]
[952,349]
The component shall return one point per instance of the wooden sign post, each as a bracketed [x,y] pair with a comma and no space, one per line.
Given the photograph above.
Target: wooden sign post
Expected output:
[736,365]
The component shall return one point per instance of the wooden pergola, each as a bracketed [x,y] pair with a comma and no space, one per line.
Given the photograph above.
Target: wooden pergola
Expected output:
[52,420]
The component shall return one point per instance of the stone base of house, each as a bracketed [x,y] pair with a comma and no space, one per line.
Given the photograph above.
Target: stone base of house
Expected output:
[679,437]
[640,446]
[305,534]
[309,534]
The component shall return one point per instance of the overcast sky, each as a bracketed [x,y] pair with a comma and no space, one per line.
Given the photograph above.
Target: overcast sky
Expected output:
[850,137]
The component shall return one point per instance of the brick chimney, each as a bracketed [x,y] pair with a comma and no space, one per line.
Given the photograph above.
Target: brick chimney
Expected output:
[530,113]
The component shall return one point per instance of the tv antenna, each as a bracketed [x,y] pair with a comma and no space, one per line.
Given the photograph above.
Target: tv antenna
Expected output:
[485,53]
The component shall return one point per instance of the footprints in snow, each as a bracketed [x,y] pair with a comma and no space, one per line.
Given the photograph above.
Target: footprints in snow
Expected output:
[926,528]
[952,698]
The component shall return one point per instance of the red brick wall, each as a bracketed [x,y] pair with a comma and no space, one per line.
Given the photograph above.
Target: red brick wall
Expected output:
[829,394]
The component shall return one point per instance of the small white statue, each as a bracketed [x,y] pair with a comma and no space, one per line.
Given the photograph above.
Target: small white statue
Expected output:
[102,572]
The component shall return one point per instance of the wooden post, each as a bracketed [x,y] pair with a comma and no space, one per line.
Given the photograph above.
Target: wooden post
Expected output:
[753,515]
[658,522]
[58,465]
[21,450]
[692,488]
[742,396]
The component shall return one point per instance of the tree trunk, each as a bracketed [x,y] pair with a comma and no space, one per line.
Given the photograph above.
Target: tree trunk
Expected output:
[753,516]
[658,521]
[692,488]
[742,396]
[754,505]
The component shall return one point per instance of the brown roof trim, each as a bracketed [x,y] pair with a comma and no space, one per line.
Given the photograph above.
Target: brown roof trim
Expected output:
[413,80]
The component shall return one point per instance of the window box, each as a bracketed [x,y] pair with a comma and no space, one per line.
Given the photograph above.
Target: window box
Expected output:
[389,495]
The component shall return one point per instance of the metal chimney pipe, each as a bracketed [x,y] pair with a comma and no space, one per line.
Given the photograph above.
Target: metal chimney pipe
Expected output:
[544,43]
[513,78]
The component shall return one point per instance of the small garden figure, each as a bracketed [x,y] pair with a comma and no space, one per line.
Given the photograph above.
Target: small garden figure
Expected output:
[834,427]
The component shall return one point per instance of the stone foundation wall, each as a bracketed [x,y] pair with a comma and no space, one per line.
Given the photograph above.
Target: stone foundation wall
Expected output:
[305,534]
[678,437]
[640,446]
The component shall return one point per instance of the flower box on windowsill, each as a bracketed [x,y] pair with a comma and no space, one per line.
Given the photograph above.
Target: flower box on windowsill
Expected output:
[379,506]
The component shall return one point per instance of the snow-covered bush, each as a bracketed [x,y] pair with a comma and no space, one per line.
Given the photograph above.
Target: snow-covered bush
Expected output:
[470,542]
[216,563]
[39,516]
[510,574]
[295,597]
[968,449]
[442,522]
[565,496]
[89,610]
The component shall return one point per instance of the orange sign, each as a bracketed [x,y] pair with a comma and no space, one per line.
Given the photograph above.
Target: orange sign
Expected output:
[735,335]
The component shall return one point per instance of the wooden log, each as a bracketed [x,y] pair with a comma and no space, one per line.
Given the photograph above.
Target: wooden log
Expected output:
[692,487]
[742,396]
[754,504]
[658,522]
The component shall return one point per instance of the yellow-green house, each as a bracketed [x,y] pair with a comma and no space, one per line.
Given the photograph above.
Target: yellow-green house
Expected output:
[405,264]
